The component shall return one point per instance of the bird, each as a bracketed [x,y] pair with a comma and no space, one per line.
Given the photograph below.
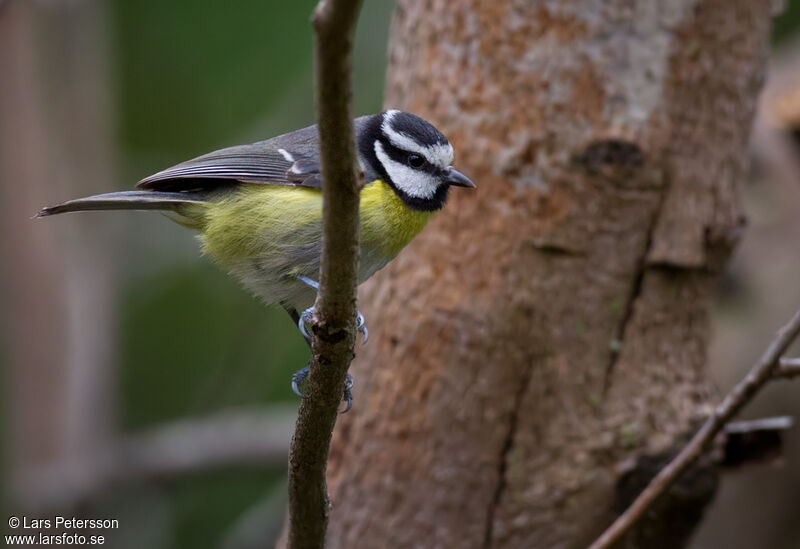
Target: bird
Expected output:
[258,207]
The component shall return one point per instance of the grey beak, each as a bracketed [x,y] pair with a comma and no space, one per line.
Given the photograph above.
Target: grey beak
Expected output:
[458,179]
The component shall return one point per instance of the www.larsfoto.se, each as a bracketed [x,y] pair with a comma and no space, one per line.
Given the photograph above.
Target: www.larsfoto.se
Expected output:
[53,539]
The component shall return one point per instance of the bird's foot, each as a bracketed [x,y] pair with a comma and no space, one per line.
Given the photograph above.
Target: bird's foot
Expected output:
[308,314]
[305,319]
[348,393]
[299,379]
[361,326]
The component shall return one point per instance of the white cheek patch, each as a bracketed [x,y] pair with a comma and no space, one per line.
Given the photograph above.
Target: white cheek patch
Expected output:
[440,155]
[414,183]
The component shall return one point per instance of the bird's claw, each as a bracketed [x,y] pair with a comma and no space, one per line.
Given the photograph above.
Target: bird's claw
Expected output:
[300,376]
[305,319]
[307,316]
[361,326]
[348,394]
[299,379]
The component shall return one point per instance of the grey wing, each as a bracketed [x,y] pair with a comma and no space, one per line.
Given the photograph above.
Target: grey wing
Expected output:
[289,159]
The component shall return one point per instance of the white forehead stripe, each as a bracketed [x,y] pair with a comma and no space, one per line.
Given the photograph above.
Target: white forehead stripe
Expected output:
[414,183]
[440,155]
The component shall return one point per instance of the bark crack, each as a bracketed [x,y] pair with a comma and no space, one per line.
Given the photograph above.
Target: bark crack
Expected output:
[505,450]
[636,290]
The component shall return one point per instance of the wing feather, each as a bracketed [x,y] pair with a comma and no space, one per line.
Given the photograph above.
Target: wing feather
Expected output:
[255,163]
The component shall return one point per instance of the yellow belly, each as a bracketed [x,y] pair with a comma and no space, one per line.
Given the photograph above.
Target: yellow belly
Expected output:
[265,234]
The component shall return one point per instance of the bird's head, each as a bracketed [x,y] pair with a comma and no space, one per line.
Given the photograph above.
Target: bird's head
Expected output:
[411,156]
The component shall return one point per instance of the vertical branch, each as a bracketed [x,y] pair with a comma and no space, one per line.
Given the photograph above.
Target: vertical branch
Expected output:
[334,323]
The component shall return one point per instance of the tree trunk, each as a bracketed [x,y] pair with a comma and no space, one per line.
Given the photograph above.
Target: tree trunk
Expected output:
[540,349]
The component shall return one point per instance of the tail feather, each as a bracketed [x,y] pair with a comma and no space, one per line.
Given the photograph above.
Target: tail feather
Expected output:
[126,200]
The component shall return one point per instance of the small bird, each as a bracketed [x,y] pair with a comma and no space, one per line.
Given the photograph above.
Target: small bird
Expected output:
[258,207]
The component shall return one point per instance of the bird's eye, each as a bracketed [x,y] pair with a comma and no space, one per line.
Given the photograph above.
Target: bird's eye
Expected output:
[415,160]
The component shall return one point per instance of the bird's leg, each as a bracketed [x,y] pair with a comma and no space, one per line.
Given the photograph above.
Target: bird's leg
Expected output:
[300,376]
[295,316]
[306,316]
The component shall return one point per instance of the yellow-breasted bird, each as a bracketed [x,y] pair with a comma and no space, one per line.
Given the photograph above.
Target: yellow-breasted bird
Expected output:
[258,207]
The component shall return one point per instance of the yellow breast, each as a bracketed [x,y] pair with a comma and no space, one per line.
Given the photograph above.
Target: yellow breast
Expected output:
[386,222]
[285,224]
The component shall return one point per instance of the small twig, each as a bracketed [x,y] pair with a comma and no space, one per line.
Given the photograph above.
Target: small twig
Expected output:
[751,442]
[780,423]
[763,371]
[260,525]
[234,437]
[789,368]
[334,323]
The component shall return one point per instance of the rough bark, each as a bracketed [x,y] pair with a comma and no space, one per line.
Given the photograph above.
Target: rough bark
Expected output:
[543,342]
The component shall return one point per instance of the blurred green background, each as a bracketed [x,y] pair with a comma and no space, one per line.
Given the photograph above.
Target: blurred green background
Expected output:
[187,77]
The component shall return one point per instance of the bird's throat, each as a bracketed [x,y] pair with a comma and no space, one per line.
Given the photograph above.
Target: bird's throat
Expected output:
[387,222]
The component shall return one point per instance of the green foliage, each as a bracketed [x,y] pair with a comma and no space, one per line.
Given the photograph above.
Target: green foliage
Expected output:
[199,517]
[194,73]
[195,341]
[785,25]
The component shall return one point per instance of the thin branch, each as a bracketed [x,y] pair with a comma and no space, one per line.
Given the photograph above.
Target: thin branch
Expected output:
[789,368]
[260,525]
[780,423]
[334,323]
[235,437]
[763,371]
[751,442]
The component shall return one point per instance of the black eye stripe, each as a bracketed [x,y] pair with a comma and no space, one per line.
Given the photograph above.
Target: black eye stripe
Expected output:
[401,156]
[396,154]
